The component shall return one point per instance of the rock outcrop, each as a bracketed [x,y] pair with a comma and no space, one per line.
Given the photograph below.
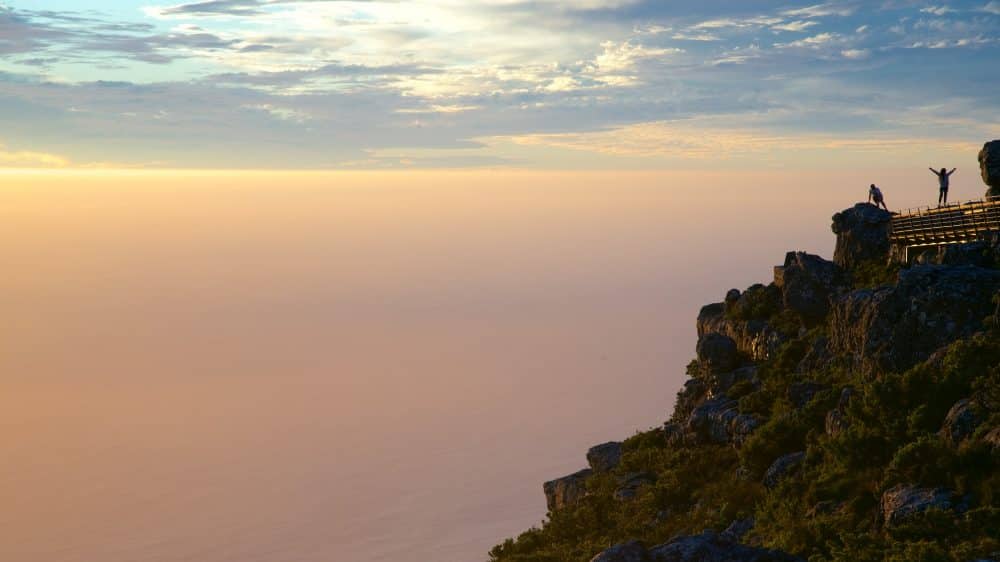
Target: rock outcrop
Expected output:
[905,501]
[961,421]
[754,338]
[717,353]
[604,457]
[989,167]
[807,283]
[892,328]
[566,491]
[862,235]
[711,547]
[718,421]
[782,468]
[632,551]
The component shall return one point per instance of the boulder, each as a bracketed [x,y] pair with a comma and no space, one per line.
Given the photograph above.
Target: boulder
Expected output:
[629,484]
[862,235]
[989,167]
[732,297]
[961,421]
[801,393]
[710,421]
[904,501]
[894,328]
[742,427]
[567,490]
[720,383]
[782,468]
[717,353]
[604,457]
[711,547]
[807,284]
[632,551]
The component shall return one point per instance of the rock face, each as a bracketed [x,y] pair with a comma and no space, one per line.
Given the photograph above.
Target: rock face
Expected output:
[781,468]
[862,235]
[717,353]
[807,284]
[718,421]
[567,490]
[961,421]
[904,501]
[754,338]
[710,547]
[989,166]
[604,457]
[893,328]
[632,551]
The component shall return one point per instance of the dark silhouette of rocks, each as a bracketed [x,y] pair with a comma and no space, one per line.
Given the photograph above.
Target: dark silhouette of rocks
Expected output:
[989,167]
[862,235]
[717,353]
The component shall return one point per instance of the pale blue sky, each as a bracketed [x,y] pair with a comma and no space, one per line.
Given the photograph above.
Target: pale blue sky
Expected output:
[545,83]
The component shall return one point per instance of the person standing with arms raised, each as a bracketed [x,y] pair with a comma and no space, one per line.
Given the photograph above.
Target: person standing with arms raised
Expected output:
[943,176]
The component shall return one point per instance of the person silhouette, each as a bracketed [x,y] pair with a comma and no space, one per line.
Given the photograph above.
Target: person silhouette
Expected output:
[875,194]
[943,176]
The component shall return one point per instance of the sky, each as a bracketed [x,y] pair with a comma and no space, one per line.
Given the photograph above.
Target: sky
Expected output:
[567,84]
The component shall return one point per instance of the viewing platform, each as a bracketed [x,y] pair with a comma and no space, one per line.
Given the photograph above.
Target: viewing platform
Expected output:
[951,224]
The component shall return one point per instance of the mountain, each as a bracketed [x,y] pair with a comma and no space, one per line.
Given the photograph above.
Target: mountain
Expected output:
[848,410]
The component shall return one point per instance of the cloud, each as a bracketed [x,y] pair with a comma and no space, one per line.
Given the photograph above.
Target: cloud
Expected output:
[992,7]
[855,54]
[698,140]
[937,10]
[813,42]
[799,25]
[30,159]
[821,10]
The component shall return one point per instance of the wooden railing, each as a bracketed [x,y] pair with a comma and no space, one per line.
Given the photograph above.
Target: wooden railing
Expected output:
[951,224]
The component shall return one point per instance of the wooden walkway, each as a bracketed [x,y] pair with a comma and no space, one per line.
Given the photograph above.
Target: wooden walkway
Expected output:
[952,224]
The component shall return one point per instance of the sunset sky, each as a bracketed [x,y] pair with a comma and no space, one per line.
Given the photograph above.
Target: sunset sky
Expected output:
[496,83]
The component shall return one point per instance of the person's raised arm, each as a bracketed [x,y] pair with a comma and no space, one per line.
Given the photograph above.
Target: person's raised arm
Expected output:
[952,171]
[935,172]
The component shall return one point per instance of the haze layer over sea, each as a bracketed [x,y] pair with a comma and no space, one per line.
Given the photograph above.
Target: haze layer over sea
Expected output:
[361,367]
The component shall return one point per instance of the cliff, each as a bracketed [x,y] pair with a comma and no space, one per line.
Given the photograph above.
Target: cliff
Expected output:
[846,410]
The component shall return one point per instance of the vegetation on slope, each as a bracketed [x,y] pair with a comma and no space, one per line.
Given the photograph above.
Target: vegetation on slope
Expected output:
[829,508]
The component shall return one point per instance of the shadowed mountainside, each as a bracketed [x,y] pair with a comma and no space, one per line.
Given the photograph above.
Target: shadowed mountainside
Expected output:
[847,410]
